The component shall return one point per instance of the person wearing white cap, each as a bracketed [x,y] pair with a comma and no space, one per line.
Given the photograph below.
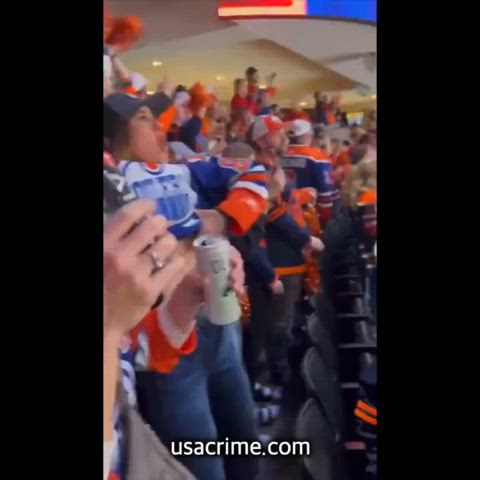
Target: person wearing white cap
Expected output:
[307,166]
[285,240]
[303,132]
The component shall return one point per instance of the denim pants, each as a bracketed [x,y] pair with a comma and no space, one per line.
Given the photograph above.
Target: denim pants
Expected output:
[270,328]
[207,397]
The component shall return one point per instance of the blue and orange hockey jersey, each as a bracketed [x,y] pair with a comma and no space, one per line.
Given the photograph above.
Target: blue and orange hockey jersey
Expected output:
[287,234]
[236,187]
[366,414]
[279,251]
[367,208]
[309,167]
[147,348]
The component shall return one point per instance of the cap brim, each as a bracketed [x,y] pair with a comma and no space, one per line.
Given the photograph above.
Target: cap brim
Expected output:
[277,126]
[123,106]
[158,103]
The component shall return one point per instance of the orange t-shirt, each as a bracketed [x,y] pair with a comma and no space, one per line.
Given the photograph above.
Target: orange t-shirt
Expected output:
[297,115]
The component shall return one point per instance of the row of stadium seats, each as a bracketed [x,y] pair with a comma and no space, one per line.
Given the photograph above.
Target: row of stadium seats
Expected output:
[341,332]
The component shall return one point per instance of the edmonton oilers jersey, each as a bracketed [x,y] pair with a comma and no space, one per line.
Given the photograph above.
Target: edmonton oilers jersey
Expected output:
[169,186]
[308,167]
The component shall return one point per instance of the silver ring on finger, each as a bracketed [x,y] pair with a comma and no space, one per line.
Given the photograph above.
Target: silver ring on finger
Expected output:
[158,263]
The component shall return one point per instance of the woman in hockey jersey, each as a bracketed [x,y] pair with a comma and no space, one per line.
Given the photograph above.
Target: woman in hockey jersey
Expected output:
[207,396]
[133,240]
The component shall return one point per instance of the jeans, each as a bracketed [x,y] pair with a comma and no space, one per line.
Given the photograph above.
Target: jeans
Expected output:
[270,328]
[207,397]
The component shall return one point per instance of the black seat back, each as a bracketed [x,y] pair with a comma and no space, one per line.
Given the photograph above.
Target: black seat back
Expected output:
[326,311]
[312,426]
[323,341]
[322,383]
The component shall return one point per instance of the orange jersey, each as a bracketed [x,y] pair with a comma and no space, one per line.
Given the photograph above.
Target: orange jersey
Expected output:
[153,350]
[367,207]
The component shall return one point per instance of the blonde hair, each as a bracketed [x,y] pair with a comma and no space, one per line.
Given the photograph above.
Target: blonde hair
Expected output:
[362,177]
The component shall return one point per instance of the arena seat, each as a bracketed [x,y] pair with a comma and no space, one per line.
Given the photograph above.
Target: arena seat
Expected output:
[325,461]
[322,383]
[323,341]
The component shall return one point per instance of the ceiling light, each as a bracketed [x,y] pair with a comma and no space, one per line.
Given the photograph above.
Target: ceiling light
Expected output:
[220,78]
[150,92]
[303,104]
[262,87]
[156,64]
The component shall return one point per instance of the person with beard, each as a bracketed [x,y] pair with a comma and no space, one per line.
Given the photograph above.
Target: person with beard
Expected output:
[311,167]
[286,238]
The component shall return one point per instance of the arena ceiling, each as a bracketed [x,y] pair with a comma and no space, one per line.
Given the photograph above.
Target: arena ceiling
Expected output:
[186,38]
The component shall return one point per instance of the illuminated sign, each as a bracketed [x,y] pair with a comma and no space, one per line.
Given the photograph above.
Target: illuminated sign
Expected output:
[360,10]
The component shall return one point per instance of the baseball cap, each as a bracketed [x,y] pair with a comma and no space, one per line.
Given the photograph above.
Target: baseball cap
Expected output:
[301,127]
[181,98]
[139,82]
[267,124]
[251,70]
[122,106]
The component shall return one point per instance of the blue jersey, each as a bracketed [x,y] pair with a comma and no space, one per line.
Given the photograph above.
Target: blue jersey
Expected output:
[169,186]
[213,177]
[234,186]
[309,167]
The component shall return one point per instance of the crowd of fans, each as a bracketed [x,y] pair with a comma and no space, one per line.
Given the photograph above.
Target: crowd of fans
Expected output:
[253,174]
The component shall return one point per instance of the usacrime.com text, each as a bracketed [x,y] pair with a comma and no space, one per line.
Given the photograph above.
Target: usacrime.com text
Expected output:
[227,447]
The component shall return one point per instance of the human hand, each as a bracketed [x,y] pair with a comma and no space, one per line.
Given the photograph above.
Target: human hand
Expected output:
[271,78]
[316,244]
[314,194]
[219,147]
[133,238]
[166,85]
[189,296]
[277,287]
[237,273]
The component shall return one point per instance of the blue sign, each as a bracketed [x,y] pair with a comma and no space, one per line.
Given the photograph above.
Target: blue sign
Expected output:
[363,10]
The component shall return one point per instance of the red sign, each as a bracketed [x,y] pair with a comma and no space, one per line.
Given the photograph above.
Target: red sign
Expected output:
[255,3]
[261,8]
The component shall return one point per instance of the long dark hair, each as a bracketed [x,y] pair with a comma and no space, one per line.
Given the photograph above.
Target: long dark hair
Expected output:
[116,135]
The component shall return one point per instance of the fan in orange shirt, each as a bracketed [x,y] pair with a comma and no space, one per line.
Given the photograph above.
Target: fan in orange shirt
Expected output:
[297,113]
